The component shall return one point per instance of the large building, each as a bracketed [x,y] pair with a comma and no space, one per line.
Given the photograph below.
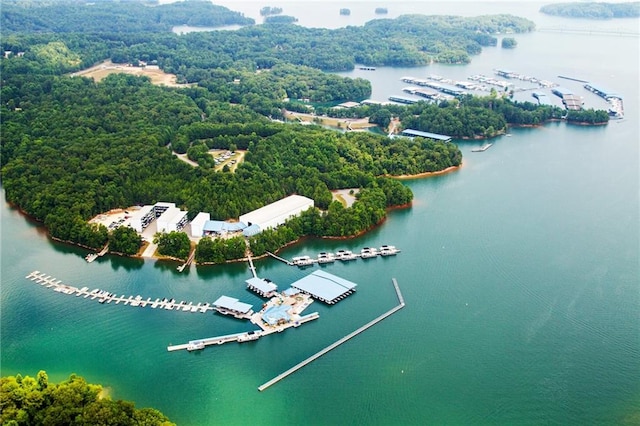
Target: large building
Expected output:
[173,219]
[277,213]
[324,286]
[197,224]
[147,214]
[142,218]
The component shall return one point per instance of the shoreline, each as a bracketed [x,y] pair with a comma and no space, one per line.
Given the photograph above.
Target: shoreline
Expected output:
[426,174]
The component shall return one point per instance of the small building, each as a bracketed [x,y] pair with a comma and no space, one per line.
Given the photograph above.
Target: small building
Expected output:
[411,133]
[197,224]
[230,306]
[325,287]
[263,287]
[275,214]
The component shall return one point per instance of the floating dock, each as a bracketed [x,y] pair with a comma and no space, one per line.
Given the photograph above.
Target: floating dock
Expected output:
[340,255]
[103,296]
[483,148]
[339,342]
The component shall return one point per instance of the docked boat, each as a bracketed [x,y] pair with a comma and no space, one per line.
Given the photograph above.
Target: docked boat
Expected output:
[325,257]
[303,261]
[387,250]
[195,346]
[368,252]
[345,255]
[249,336]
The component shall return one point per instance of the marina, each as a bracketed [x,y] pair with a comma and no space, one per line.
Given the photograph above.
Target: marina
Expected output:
[616,108]
[334,345]
[103,296]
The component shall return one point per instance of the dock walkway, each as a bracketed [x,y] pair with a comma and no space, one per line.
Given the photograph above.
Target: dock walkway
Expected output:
[103,296]
[339,342]
[281,259]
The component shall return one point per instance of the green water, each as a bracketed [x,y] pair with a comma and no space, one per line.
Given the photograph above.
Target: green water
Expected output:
[520,274]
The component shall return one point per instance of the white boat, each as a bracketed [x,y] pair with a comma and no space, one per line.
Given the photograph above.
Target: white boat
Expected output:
[303,261]
[326,257]
[368,252]
[387,250]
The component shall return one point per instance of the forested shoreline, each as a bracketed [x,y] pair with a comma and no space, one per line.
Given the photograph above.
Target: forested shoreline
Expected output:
[36,401]
[73,148]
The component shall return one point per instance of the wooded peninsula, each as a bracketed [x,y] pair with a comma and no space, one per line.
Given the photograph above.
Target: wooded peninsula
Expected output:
[36,401]
[73,147]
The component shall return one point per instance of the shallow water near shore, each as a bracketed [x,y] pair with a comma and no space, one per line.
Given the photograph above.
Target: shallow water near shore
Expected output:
[519,272]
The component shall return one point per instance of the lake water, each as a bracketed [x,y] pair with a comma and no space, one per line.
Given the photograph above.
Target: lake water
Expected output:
[520,273]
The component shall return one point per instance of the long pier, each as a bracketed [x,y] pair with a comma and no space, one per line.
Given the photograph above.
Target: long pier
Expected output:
[103,296]
[339,342]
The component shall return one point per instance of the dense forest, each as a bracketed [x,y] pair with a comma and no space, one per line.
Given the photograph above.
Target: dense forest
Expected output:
[140,32]
[35,401]
[593,10]
[72,16]
[73,148]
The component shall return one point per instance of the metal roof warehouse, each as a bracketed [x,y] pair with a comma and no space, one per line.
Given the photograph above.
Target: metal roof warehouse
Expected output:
[277,213]
[324,286]
[418,133]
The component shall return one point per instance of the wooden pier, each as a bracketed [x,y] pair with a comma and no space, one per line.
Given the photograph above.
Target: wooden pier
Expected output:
[103,296]
[188,262]
[93,256]
[339,342]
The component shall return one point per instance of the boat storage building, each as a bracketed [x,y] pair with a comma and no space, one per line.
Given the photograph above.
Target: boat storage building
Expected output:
[275,214]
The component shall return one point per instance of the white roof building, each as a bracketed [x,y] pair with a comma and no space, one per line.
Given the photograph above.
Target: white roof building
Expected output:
[277,213]
[197,224]
[173,219]
[141,218]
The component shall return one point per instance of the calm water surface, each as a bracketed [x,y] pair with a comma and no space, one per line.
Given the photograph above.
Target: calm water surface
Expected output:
[520,273]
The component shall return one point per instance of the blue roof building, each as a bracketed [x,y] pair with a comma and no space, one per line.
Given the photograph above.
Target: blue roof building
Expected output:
[277,315]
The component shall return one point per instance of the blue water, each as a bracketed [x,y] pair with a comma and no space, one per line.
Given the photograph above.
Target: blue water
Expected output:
[520,273]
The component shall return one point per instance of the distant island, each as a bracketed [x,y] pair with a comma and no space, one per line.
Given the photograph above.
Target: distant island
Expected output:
[593,10]
[509,43]
[345,12]
[280,19]
[267,10]
[381,11]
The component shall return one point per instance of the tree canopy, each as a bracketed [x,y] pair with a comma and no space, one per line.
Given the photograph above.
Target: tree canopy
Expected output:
[593,10]
[35,401]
